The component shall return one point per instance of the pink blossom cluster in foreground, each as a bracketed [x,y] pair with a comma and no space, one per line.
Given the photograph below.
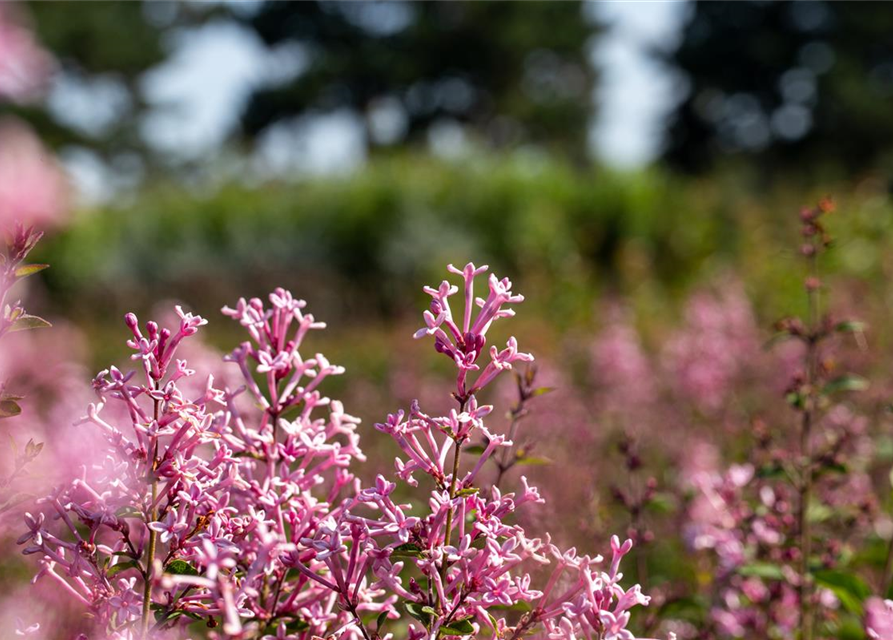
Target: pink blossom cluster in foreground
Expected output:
[237,506]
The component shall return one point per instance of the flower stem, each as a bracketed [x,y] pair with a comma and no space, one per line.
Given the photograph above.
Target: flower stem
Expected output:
[150,553]
[806,424]
[449,518]
[453,481]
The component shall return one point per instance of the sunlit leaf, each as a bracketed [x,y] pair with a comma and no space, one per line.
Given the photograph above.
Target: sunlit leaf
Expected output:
[29,269]
[407,550]
[181,567]
[122,566]
[762,570]
[848,382]
[531,461]
[25,322]
[9,408]
[419,612]
[458,628]
[850,589]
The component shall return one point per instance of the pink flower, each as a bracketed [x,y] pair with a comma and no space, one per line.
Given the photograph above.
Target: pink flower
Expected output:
[24,65]
[33,190]
[170,527]
[879,618]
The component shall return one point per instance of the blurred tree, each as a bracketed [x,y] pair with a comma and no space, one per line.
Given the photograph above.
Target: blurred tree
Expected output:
[100,50]
[790,84]
[510,72]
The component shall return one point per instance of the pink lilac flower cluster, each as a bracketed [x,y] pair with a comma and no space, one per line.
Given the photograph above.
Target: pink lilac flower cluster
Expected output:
[782,527]
[237,507]
[744,518]
[756,585]
[33,189]
[196,509]
[879,618]
[621,368]
[14,318]
[705,357]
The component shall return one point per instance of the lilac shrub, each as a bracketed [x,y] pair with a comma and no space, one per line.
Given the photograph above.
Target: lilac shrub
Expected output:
[13,319]
[234,510]
[782,525]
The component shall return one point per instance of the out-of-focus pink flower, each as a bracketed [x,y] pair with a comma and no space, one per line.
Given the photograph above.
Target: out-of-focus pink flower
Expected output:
[24,64]
[621,369]
[879,618]
[709,352]
[33,190]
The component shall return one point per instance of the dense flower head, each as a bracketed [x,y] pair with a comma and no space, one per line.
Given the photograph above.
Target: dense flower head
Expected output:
[237,506]
[465,344]
[196,497]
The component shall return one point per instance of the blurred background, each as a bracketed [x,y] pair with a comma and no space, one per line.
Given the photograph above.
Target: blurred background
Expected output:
[350,150]
[619,161]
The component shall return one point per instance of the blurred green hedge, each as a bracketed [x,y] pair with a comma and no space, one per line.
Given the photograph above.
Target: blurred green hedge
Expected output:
[359,244]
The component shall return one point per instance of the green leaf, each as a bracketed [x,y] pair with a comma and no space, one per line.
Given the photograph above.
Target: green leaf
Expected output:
[541,391]
[461,627]
[9,408]
[765,570]
[467,491]
[690,608]
[817,512]
[25,322]
[181,567]
[122,566]
[770,471]
[167,616]
[531,461]
[848,382]
[493,622]
[419,612]
[522,605]
[849,588]
[795,399]
[298,624]
[833,467]
[29,270]
[850,326]
[129,512]
[474,449]
[408,550]
[379,623]
[661,503]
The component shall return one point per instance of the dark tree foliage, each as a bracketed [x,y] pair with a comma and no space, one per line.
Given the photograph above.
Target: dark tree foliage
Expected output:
[789,84]
[107,42]
[512,72]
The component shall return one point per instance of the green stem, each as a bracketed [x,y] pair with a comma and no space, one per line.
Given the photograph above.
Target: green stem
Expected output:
[153,535]
[449,519]
[453,481]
